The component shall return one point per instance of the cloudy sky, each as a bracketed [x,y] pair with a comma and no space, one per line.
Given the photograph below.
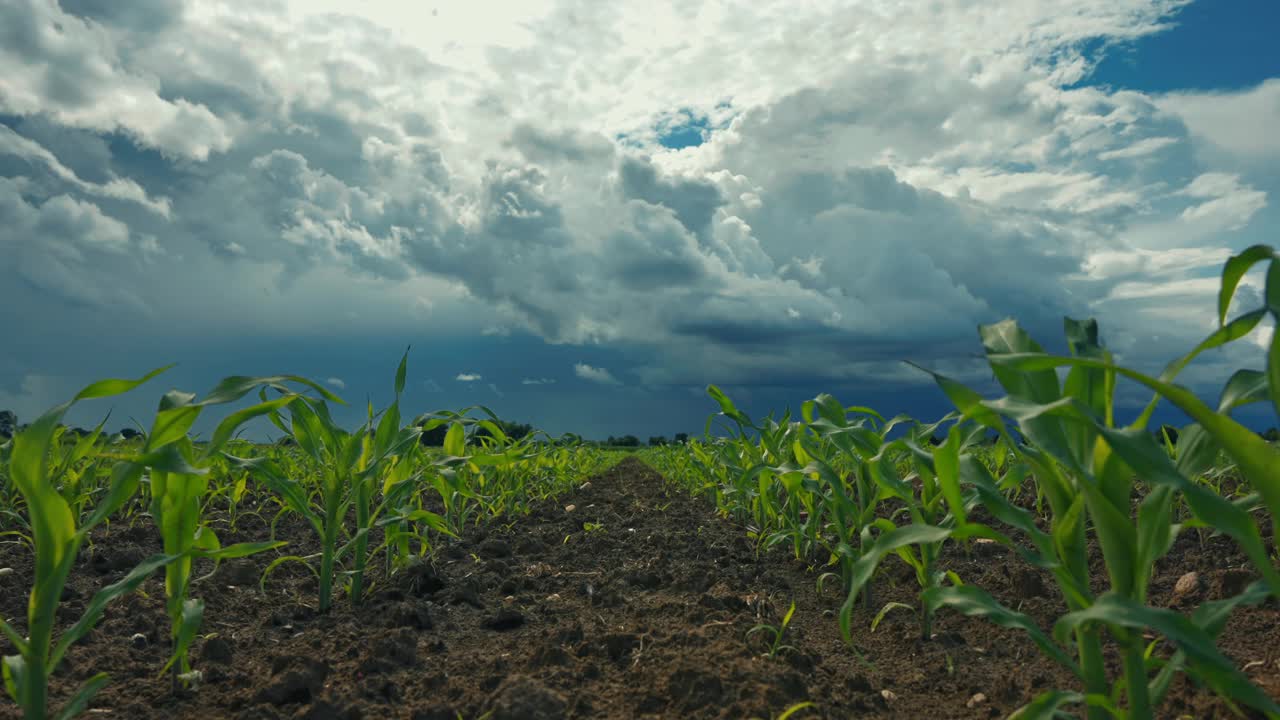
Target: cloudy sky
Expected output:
[579,213]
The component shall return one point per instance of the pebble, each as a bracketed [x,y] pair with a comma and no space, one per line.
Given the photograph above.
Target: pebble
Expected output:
[570,508]
[1187,585]
[888,695]
[138,640]
[976,700]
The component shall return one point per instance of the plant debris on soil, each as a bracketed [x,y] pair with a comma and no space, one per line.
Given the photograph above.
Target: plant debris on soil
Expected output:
[624,599]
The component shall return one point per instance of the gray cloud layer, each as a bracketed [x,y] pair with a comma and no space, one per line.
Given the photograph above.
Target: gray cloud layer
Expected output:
[269,173]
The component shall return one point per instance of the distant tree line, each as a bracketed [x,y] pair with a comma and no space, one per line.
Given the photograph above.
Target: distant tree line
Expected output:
[517,431]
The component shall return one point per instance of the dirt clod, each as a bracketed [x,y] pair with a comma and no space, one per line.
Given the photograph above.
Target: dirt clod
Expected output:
[295,680]
[506,619]
[523,698]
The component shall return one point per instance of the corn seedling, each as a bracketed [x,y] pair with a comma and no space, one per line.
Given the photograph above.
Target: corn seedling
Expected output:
[776,632]
[179,488]
[57,538]
[1085,466]
[348,466]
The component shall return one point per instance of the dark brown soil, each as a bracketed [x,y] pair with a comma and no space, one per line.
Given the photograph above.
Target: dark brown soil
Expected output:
[645,616]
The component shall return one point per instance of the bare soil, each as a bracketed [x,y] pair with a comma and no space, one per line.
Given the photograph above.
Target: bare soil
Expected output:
[634,604]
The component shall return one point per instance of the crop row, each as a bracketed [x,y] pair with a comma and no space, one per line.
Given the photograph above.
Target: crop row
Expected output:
[374,494]
[1044,470]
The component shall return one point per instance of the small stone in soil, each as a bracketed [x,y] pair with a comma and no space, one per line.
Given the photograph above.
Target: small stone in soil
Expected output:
[976,700]
[1187,587]
[138,640]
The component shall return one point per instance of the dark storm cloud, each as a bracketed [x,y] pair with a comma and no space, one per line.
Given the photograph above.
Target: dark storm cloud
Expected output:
[693,201]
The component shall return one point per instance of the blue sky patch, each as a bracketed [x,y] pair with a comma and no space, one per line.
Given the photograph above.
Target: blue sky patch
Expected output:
[1211,45]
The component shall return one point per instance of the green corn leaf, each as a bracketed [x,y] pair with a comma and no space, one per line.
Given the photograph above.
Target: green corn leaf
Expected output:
[1156,533]
[93,611]
[78,452]
[1047,705]
[727,408]
[108,388]
[946,460]
[1116,536]
[455,441]
[18,642]
[1204,658]
[1234,271]
[1257,459]
[173,419]
[1244,387]
[309,430]
[80,700]
[1196,451]
[189,625]
[975,602]
[875,622]
[15,678]
[235,420]
[291,491]
[1271,291]
[866,565]
[125,477]
[968,402]
[1234,330]
[1273,359]
[303,561]
[1142,454]
[402,371]
[240,550]
[231,389]
[425,517]
[975,474]
[388,430]
[794,709]
[1007,337]
[1210,617]
[170,458]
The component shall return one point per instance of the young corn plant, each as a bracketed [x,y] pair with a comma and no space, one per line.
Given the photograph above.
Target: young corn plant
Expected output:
[347,465]
[852,464]
[1085,466]
[933,502]
[1257,460]
[777,632]
[179,491]
[57,538]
